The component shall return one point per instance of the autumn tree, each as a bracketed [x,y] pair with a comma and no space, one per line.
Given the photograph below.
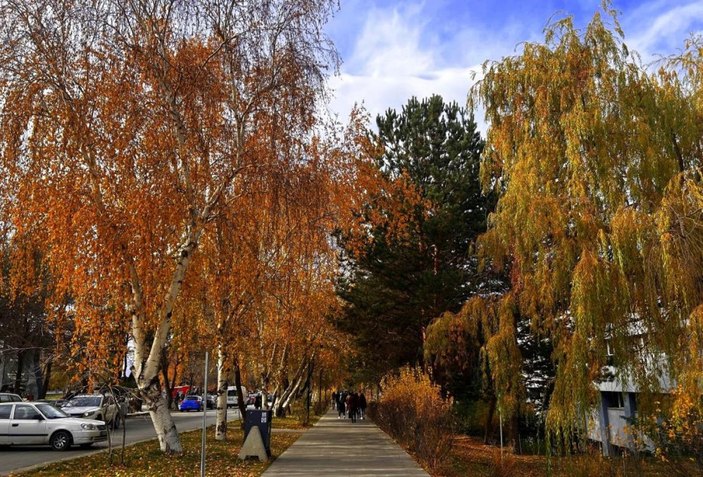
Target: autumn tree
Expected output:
[290,327]
[127,128]
[597,163]
[26,331]
[417,263]
[245,266]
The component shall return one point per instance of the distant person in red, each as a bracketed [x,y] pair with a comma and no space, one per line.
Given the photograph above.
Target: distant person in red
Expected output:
[362,405]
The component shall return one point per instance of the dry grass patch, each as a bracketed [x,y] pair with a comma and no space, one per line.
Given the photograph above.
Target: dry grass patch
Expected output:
[146,459]
[469,456]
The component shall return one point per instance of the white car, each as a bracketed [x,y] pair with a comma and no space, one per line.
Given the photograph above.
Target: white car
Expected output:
[94,406]
[40,423]
[232,399]
[9,397]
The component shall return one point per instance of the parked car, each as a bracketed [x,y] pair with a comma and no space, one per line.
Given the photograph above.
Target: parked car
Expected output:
[26,423]
[191,403]
[101,407]
[211,401]
[256,400]
[232,399]
[9,397]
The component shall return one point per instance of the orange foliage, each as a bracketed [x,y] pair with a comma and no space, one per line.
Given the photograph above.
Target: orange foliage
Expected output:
[412,410]
[128,146]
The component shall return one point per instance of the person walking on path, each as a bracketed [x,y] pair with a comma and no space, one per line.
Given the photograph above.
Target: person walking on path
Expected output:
[362,405]
[353,403]
[334,399]
[340,407]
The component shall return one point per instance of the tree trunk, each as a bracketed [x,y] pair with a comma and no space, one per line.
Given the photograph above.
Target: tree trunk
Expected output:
[223,372]
[47,378]
[167,383]
[290,393]
[2,370]
[489,419]
[514,432]
[308,387]
[18,376]
[164,426]
[320,401]
[240,397]
[37,373]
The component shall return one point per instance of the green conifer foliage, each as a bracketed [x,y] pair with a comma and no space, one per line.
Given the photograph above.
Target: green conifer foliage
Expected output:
[402,281]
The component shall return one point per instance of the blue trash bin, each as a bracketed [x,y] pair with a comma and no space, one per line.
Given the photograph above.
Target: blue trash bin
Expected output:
[262,419]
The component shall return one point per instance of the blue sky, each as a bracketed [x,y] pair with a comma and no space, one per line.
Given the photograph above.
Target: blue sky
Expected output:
[394,49]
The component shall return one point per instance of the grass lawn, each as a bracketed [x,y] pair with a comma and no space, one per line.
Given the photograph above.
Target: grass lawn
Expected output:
[470,457]
[146,459]
[294,421]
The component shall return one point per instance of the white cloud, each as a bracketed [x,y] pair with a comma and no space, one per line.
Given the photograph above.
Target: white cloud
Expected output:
[380,92]
[403,50]
[390,44]
[659,28]
[395,58]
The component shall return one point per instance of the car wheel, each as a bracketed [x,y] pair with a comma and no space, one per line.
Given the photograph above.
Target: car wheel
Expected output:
[60,440]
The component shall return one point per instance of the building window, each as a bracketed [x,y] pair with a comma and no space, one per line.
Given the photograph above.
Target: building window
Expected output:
[614,400]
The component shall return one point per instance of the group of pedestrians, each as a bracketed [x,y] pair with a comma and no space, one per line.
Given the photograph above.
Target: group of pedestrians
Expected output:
[349,405]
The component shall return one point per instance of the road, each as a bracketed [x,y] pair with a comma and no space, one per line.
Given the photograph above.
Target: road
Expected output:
[139,428]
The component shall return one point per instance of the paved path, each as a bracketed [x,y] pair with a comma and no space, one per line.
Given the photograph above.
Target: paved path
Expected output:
[336,447]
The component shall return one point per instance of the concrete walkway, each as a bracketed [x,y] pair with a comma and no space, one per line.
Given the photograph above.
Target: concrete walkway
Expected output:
[336,447]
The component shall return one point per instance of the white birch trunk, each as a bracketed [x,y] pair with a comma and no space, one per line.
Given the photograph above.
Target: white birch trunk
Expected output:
[148,358]
[223,372]
[165,428]
[289,393]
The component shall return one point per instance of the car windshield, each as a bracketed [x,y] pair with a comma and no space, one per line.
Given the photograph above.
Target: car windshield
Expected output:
[84,401]
[10,398]
[192,398]
[51,412]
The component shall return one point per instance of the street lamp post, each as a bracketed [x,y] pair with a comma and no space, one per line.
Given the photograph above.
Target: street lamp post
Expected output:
[202,445]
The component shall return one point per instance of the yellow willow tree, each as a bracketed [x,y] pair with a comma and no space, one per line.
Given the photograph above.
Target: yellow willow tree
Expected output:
[599,222]
[125,130]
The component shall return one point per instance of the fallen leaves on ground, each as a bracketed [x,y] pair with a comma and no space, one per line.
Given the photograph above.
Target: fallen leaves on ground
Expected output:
[146,459]
[470,456]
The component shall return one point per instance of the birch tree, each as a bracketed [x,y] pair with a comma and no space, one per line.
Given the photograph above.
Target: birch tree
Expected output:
[126,129]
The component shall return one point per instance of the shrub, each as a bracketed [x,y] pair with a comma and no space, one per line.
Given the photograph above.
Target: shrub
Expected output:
[677,433]
[412,411]
[502,465]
